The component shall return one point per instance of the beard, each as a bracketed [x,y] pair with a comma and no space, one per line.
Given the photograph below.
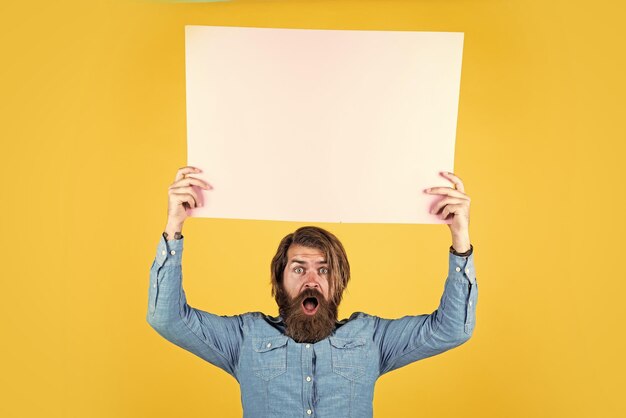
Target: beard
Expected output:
[305,328]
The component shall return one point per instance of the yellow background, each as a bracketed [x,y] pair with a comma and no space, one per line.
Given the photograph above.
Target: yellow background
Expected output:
[93,130]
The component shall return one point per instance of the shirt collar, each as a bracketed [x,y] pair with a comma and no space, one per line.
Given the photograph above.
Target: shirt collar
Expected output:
[279,320]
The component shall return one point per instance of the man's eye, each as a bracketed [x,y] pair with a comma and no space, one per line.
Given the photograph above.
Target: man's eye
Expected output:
[298,270]
[324,270]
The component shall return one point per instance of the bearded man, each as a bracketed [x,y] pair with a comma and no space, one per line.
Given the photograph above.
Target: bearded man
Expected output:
[305,362]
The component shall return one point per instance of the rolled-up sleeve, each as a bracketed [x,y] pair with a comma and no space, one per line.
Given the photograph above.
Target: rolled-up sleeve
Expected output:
[216,339]
[411,338]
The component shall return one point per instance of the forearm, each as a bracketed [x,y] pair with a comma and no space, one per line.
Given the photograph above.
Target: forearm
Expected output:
[173,230]
[412,338]
[165,292]
[461,241]
[458,302]
[214,338]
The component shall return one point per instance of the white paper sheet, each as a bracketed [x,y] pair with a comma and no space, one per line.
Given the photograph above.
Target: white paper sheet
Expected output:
[321,125]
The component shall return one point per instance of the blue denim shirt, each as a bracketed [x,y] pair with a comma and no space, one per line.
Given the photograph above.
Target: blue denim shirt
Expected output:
[335,377]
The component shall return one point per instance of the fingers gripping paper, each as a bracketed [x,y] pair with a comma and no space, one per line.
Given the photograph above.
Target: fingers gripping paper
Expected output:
[321,125]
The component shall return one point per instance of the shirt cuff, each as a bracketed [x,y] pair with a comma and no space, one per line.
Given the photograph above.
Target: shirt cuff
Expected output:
[462,268]
[169,252]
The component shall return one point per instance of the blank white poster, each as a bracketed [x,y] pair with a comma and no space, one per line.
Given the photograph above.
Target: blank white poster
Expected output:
[321,125]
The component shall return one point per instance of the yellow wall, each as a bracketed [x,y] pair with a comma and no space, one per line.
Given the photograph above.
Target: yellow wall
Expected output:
[93,128]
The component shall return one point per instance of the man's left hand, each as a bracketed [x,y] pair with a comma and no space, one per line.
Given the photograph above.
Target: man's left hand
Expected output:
[456,204]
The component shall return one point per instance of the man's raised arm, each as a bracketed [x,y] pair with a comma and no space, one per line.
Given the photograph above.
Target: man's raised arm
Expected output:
[216,339]
[411,338]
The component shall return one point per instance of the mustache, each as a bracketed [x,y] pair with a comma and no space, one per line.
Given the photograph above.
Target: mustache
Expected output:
[310,292]
[295,304]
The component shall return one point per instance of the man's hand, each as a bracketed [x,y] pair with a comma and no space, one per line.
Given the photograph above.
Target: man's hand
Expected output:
[182,197]
[457,204]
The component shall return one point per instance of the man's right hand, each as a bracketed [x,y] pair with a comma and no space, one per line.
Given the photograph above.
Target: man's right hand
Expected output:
[182,197]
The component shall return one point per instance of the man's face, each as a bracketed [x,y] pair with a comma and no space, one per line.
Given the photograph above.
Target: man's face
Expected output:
[303,300]
[306,268]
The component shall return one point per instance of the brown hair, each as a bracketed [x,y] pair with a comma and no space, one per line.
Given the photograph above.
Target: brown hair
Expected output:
[314,237]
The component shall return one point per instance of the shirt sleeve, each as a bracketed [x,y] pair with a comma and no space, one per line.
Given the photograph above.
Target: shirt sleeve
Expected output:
[411,338]
[216,339]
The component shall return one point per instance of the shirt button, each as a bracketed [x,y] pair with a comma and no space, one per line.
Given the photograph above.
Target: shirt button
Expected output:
[269,345]
[172,252]
[458,269]
[466,271]
[308,378]
[309,412]
[163,252]
[308,346]
[470,303]
[154,285]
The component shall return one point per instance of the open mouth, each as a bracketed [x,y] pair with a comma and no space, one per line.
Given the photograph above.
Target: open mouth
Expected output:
[309,305]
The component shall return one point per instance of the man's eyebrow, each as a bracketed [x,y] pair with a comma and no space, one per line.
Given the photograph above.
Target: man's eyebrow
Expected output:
[298,261]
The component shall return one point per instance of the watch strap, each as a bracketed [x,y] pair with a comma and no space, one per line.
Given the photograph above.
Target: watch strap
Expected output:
[465,254]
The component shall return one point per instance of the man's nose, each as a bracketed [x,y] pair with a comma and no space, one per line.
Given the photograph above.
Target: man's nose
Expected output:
[312,280]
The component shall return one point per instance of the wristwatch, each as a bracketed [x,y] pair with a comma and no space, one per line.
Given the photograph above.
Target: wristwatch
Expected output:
[177,235]
[465,254]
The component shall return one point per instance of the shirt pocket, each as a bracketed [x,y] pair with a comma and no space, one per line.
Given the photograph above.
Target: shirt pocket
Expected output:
[349,357]
[269,357]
